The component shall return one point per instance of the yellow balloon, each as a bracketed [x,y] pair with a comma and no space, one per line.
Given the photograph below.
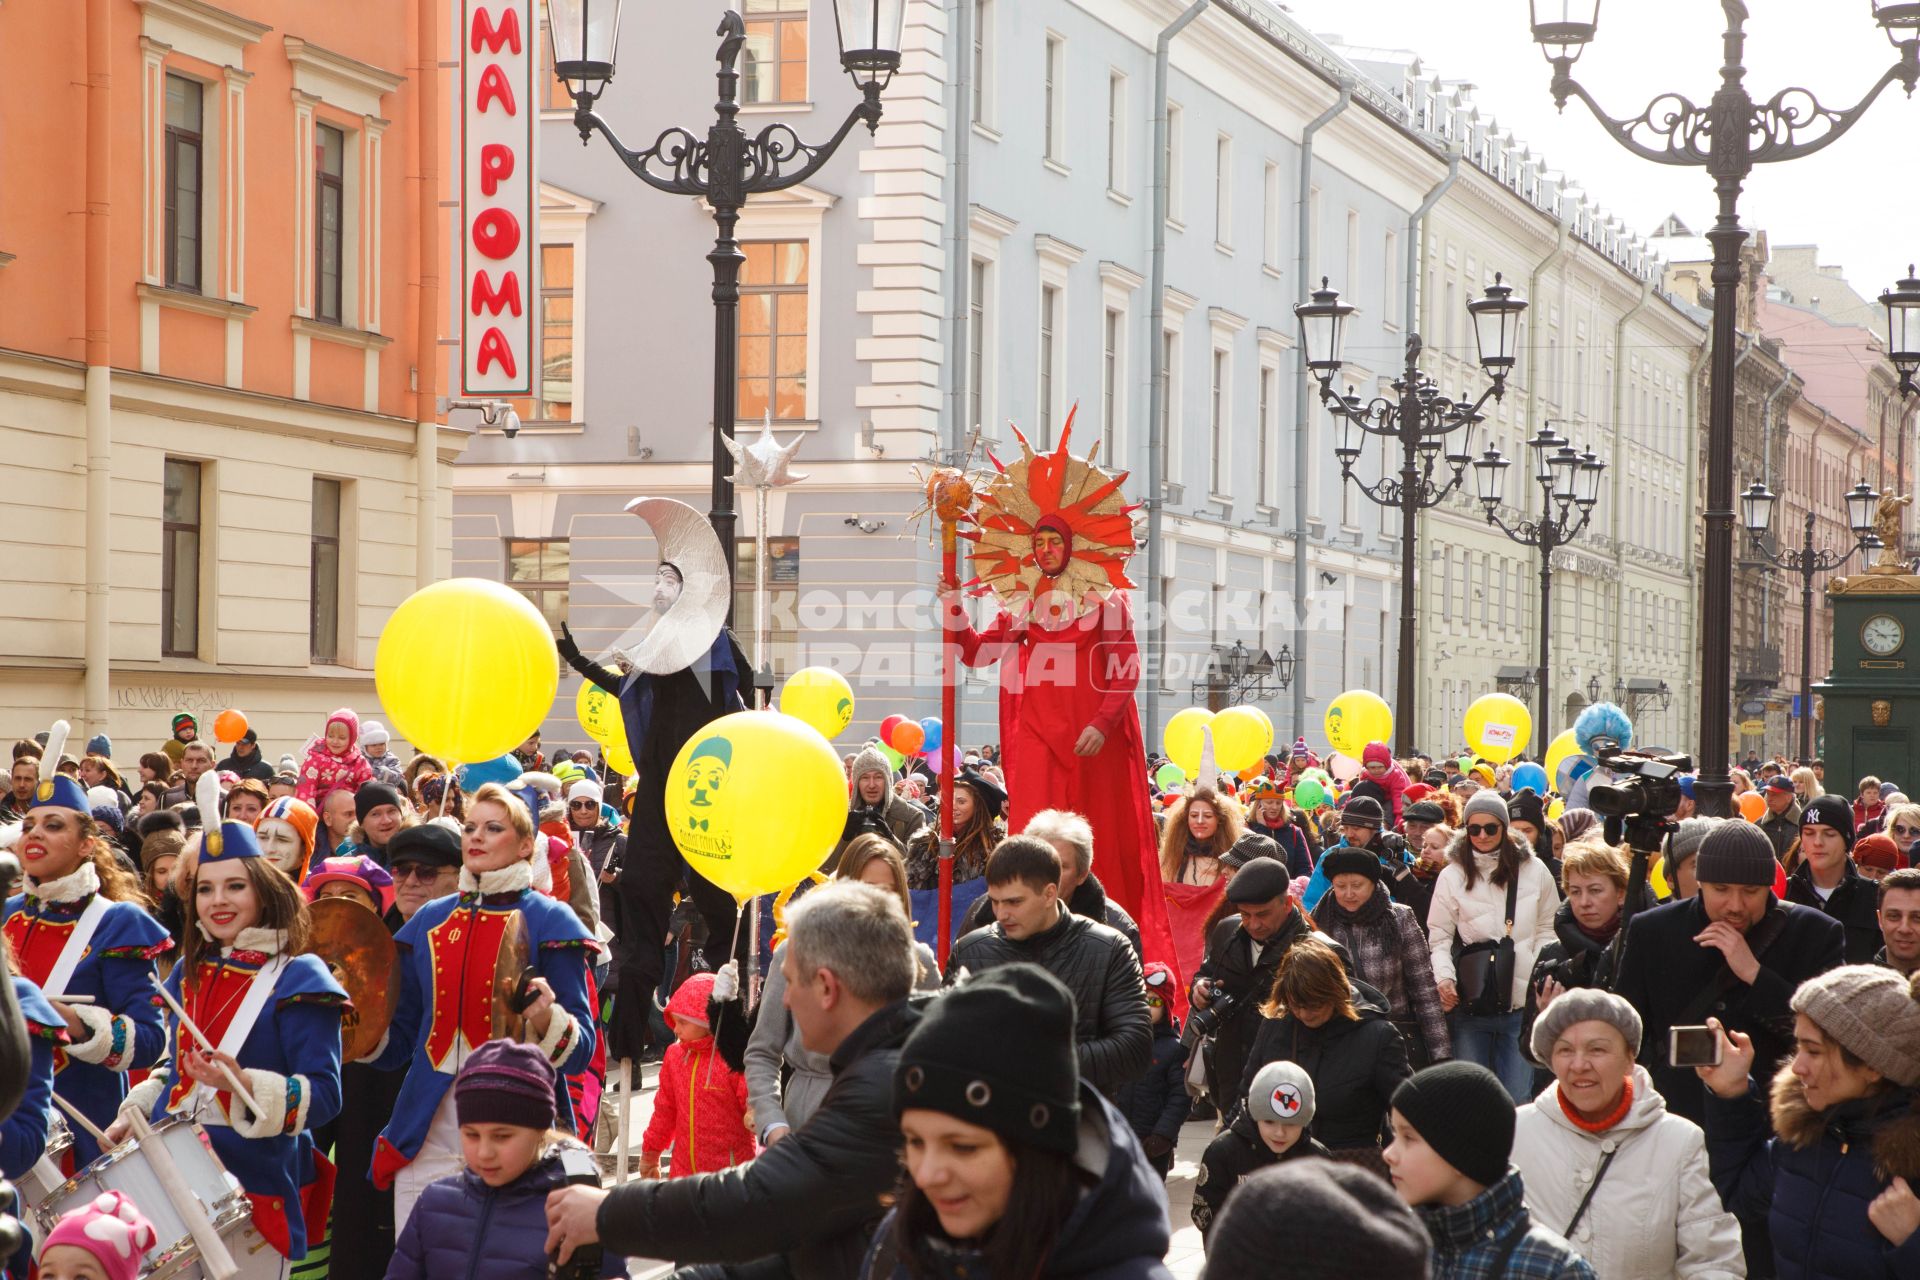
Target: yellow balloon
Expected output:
[1555,809]
[466,669]
[1181,739]
[821,697]
[1241,736]
[1562,749]
[1657,877]
[618,755]
[598,712]
[1498,727]
[755,801]
[1356,718]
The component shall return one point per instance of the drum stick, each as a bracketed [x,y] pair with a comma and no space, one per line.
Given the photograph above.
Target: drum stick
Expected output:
[214,1258]
[75,999]
[73,1114]
[234,1082]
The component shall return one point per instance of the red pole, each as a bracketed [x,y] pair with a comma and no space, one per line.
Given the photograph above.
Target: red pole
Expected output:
[949,743]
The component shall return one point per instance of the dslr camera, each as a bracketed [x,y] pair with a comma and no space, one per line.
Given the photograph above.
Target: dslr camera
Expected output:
[1646,785]
[1202,1023]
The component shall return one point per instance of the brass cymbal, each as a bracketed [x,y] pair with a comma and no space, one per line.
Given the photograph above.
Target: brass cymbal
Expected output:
[509,964]
[359,951]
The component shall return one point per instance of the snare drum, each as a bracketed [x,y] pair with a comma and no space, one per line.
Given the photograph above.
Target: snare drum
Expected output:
[47,1173]
[216,1193]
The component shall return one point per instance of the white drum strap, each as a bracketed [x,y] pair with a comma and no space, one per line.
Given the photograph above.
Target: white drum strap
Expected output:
[259,991]
[76,949]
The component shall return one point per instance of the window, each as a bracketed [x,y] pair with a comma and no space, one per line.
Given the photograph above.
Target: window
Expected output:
[1055,91]
[1116,132]
[1217,422]
[1353,254]
[1049,320]
[1390,275]
[1266,433]
[180,560]
[773,331]
[1175,203]
[538,568]
[329,214]
[1113,336]
[1223,191]
[977,344]
[184,138]
[1270,218]
[982,62]
[1169,399]
[774,63]
[323,572]
[554,401]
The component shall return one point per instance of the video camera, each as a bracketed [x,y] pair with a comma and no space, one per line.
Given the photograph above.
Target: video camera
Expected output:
[1647,784]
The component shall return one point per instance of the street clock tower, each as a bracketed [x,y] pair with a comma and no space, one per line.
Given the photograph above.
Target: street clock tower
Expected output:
[1872,721]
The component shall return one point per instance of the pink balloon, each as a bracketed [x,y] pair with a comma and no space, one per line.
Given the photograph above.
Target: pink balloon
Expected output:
[1343,768]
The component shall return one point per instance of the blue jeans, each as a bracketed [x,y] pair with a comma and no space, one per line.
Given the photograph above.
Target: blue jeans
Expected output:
[1494,1043]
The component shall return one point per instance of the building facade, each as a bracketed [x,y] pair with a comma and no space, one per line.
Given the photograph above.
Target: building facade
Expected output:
[219,356]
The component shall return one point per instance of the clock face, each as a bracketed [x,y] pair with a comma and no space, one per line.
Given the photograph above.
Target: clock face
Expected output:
[1882,635]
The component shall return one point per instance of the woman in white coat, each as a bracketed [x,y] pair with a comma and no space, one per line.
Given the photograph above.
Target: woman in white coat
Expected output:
[1606,1165]
[1469,913]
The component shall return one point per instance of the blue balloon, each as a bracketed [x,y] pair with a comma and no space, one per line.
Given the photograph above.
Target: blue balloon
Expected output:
[931,727]
[503,770]
[1529,775]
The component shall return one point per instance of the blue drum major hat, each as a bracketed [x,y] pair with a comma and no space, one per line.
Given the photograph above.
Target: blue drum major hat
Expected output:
[57,790]
[221,841]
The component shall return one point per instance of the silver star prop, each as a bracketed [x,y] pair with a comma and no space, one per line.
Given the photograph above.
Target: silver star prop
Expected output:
[764,463]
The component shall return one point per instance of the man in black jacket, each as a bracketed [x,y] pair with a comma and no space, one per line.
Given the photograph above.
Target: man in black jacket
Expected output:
[1072,838]
[1827,879]
[1242,952]
[806,1206]
[1735,953]
[1112,1034]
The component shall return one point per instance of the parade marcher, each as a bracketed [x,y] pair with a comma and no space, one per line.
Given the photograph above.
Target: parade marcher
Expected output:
[874,806]
[1362,827]
[287,830]
[1339,1032]
[246,761]
[1835,1172]
[1388,948]
[1781,822]
[357,878]
[1607,1165]
[1452,1138]
[185,729]
[1826,879]
[1156,1104]
[979,825]
[273,1015]
[79,928]
[1735,952]
[1270,815]
[807,1204]
[334,759]
[1328,1221]
[1243,951]
[1113,1036]
[1900,922]
[700,1107]
[1271,1127]
[1594,880]
[1014,1165]
[1493,907]
[23,1132]
[447,956]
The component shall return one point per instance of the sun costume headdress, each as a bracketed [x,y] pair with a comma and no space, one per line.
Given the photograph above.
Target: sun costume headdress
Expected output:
[1071,496]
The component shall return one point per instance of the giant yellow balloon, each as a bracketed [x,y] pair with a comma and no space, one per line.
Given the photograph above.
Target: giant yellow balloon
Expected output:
[598,712]
[1562,749]
[821,697]
[617,754]
[1182,739]
[756,800]
[1498,727]
[1356,718]
[1241,736]
[466,669]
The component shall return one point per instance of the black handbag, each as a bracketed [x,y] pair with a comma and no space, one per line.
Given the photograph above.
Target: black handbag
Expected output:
[1483,971]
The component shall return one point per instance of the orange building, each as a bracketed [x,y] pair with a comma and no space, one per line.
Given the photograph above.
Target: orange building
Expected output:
[222,246]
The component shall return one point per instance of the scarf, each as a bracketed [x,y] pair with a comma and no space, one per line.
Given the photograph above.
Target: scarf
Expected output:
[511,878]
[1375,909]
[1603,935]
[1605,1122]
[82,882]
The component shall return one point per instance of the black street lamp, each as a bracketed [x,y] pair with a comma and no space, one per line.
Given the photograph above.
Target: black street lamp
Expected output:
[726,166]
[1756,512]
[1236,674]
[1903,327]
[1727,137]
[1420,418]
[1569,483]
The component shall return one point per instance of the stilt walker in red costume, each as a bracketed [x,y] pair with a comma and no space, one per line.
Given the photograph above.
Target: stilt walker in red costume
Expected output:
[1052,543]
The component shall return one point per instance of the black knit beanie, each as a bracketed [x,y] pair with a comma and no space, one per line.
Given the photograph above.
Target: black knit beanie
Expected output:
[998,1051]
[1830,811]
[1464,1113]
[1328,1221]
[1735,852]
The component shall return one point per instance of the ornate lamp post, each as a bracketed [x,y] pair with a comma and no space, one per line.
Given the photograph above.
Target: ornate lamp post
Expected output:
[1756,512]
[1903,328]
[1569,483]
[726,166]
[1421,419]
[1727,137]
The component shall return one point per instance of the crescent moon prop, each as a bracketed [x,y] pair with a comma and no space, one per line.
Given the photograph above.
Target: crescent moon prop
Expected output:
[682,636]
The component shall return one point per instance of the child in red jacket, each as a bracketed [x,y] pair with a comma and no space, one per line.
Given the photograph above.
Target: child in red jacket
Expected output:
[700,1108]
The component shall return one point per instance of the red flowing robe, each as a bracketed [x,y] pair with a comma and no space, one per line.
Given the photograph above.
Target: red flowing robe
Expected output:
[1054,683]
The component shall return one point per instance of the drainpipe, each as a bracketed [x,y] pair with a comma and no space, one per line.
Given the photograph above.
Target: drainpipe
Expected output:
[96,638]
[1410,312]
[1613,465]
[960,244]
[426,342]
[1302,405]
[1156,610]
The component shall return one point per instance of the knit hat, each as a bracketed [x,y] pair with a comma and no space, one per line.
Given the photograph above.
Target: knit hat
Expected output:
[161,844]
[1328,1220]
[586,789]
[1877,850]
[998,1051]
[430,842]
[869,760]
[1684,843]
[373,733]
[297,814]
[1485,804]
[185,719]
[358,870]
[505,1083]
[1526,806]
[1873,1012]
[1345,860]
[1300,748]
[1249,846]
[100,745]
[111,1229]
[1363,811]
[1830,811]
[371,796]
[1425,811]
[1261,880]
[1583,1004]
[1282,1091]
[1735,852]
[1464,1113]
[104,796]
[1368,789]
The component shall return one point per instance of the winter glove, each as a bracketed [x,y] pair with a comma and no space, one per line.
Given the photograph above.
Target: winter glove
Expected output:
[1156,1146]
[726,983]
[566,644]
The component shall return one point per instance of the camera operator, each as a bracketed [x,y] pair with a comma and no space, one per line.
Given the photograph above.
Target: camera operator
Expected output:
[1243,950]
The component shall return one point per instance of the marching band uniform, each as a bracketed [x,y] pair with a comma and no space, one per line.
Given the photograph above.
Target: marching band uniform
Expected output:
[446,959]
[279,1016]
[70,940]
[23,1135]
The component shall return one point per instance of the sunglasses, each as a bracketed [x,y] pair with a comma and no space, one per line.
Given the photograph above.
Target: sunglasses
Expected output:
[1901,828]
[583,804]
[1483,828]
[1155,1002]
[417,871]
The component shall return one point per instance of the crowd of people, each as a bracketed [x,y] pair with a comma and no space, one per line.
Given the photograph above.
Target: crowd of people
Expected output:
[1440,1026]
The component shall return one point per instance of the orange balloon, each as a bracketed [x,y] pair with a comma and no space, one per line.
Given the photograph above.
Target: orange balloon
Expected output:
[1753,806]
[229,726]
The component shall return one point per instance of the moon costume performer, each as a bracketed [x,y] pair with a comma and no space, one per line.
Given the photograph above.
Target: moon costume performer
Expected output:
[1052,543]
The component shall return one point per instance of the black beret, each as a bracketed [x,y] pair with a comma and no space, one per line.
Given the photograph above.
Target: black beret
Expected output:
[1345,860]
[1424,811]
[1261,880]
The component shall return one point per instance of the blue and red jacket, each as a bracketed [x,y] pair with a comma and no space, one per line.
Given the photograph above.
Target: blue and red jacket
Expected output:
[23,1135]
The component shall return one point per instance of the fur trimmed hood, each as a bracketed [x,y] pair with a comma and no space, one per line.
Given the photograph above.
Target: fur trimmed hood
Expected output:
[1893,1128]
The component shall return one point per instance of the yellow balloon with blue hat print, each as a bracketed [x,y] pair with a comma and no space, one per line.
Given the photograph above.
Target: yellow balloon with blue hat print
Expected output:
[1356,718]
[755,801]
[821,697]
[598,712]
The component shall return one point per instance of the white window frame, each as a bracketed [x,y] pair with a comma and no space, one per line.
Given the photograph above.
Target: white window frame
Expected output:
[1354,282]
[1176,162]
[1175,307]
[1223,192]
[563,220]
[1271,346]
[1272,249]
[798,213]
[984,65]
[1053,81]
[1118,285]
[1054,260]
[986,233]
[1117,135]
[1223,327]
[1390,310]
